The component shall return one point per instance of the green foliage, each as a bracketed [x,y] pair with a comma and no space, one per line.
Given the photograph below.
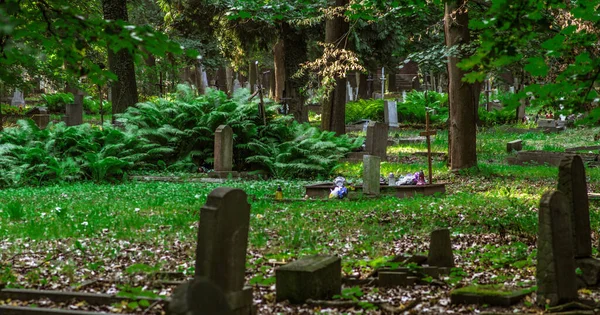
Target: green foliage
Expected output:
[496,117]
[56,103]
[364,109]
[168,134]
[414,107]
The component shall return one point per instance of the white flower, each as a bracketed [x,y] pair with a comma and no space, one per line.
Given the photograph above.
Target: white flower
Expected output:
[136,209]
[197,196]
[84,223]
[57,209]
[43,214]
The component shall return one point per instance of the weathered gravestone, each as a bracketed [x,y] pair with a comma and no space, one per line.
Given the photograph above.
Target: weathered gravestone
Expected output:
[236,85]
[555,272]
[199,297]
[440,249]
[17,99]
[572,183]
[314,277]
[390,113]
[40,116]
[74,112]
[515,145]
[222,245]
[371,174]
[349,95]
[546,123]
[223,149]
[376,143]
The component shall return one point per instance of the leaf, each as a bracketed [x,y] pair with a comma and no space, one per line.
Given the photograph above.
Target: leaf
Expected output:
[536,66]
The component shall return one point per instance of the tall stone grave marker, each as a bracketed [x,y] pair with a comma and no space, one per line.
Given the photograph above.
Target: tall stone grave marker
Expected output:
[74,112]
[390,113]
[376,144]
[572,183]
[555,272]
[371,174]
[223,149]
[348,92]
[222,245]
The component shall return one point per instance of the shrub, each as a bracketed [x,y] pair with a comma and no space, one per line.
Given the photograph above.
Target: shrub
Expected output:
[175,134]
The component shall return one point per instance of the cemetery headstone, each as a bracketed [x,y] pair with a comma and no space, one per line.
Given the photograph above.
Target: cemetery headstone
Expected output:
[223,158]
[314,277]
[17,99]
[572,183]
[555,272]
[377,96]
[40,116]
[236,85]
[199,297]
[74,112]
[371,174]
[390,113]
[376,142]
[515,145]
[222,245]
[546,123]
[440,249]
[349,96]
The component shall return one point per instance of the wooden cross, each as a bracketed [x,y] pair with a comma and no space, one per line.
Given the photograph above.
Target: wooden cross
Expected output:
[427,134]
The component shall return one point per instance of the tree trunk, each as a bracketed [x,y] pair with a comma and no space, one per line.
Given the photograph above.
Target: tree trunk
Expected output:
[279,61]
[121,63]
[392,80]
[292,60]
[461,95]
[252,76]
[363,88]
[334,108]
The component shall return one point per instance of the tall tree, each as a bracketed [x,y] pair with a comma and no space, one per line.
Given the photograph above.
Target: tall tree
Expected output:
[334,107]
[120,61]
[462,96]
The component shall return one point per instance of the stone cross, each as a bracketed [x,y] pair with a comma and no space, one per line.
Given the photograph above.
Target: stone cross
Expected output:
[572,183]
[390,113]
[223,158]
[427,134]
[371,174]
[376,143]
[555,272]
[222,245]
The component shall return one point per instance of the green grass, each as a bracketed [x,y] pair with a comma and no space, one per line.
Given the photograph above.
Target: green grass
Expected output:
[491,210]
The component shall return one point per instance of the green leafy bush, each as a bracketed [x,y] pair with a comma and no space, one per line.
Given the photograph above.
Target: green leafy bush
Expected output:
[173,134]
[364,109]
[56,103]
[413,108]
[496,117]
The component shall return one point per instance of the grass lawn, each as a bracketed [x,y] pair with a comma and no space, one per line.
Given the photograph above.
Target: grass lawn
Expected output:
[57,237]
